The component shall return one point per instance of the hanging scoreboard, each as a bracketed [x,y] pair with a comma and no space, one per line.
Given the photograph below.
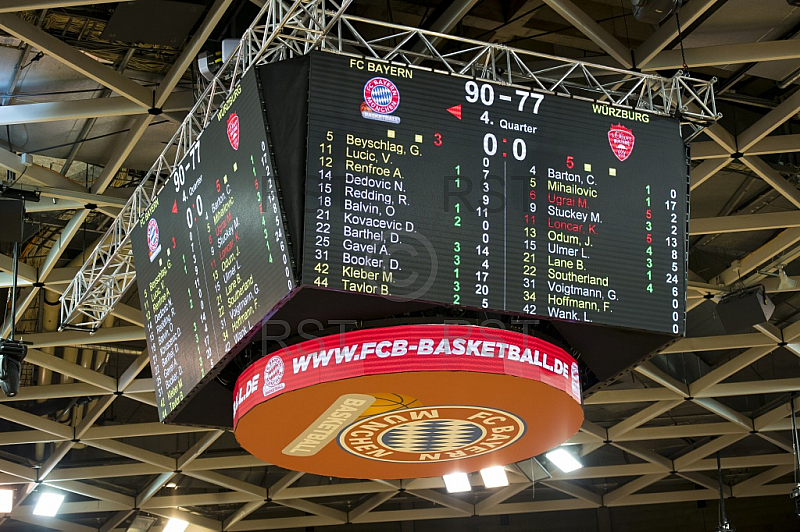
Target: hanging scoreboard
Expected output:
[211,253]
[459,191]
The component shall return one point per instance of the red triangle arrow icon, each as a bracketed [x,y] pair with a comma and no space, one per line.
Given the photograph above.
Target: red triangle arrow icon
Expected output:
[455,111]
[175,207]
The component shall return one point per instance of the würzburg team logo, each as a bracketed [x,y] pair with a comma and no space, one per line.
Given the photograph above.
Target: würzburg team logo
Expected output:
[621,139]
[432,434]
[233,131]
[153,247]
[381,98]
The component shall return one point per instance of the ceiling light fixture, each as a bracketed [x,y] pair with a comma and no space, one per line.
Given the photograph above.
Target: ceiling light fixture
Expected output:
[454,482]
[787,283]
[494,477]
[564,460]
[48,504]
[175,525]
[6,501]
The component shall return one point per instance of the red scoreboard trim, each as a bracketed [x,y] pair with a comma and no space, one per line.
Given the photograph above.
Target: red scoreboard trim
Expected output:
[411,348]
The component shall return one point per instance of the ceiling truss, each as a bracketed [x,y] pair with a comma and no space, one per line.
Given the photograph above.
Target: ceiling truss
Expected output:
[287,29]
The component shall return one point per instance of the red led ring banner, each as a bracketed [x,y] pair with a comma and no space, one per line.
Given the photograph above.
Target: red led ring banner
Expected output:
[408,401]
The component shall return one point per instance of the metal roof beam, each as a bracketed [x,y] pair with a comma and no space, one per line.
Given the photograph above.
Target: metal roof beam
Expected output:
[709,448]
[641,395]
[102,336]
[721,342]
[646,454]
[25,272]
[769,122]
[728,54]
[8,6]
[70,369]
[39,175]
[668,31]
[773,178]
[189,53]
[642,417]
[40,112]
[654,373]
[135,453]
[705,170]
[53,256]
[722,137]
[744,222]
[765,421]
[785,240]
[748,486]
[632,487]
[76,60]
[594,31]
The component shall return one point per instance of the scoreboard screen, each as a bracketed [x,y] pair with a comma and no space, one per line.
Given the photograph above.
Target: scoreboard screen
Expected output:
[469,193]
[211,253]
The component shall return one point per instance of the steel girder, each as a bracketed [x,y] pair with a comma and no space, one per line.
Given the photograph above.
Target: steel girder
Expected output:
[281,31]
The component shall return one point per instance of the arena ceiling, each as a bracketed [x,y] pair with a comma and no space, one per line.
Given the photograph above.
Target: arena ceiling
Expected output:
[85,422]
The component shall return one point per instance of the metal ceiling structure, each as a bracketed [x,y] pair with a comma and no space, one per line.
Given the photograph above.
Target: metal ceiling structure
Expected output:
[85,420]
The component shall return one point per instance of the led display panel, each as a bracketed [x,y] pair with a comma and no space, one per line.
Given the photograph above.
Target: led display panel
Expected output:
[211,253]
[475,194]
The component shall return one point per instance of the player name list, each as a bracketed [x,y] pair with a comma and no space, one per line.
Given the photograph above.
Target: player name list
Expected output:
[490,197]
[215,260]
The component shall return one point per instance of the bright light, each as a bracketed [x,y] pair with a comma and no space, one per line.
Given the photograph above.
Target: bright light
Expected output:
[6,501]
[564,460]
[175,525]
[48,504]
[456,482]
[494,477]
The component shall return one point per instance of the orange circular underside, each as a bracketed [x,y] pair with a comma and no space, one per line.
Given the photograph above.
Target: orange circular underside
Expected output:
[550,415]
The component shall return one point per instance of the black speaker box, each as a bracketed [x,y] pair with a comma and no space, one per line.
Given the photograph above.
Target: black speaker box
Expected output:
[741,310]
[12,212]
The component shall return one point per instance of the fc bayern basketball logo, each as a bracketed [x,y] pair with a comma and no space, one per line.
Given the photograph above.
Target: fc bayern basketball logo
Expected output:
[273,375]
[381,95]
[432,434]
[153,247]
[576,381]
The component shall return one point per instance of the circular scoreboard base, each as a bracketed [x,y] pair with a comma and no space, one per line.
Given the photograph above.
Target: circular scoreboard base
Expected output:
[386,415]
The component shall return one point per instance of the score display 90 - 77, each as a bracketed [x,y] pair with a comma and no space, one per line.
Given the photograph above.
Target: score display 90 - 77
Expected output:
[469,193]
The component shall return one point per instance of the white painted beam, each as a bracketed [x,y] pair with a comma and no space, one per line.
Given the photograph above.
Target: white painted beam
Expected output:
[74,59]
[189,54]
[773,178]
[38,175]
[744,222]
[24,271]
[668,31]
[705,170]
[642,417]
[41,112]
[8,6]
[715,343]
[594,31]
[102,336]
[785,240]
[728,54]
[70,369]
[769,122]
